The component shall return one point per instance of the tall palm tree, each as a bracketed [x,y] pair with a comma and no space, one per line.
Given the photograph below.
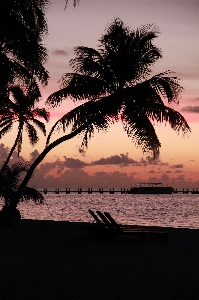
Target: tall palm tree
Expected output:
[10,180]
[116,84]
[22,55]
[21,109]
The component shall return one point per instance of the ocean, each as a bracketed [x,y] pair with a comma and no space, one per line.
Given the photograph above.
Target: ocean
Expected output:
[175,210]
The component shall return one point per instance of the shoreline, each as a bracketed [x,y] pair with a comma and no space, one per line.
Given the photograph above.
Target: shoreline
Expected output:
[57,260]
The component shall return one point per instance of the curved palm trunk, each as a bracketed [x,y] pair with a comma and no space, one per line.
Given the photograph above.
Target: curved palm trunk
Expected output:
[19,192]
[13,147]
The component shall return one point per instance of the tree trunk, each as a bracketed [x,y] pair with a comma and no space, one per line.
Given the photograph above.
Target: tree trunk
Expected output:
[19,192]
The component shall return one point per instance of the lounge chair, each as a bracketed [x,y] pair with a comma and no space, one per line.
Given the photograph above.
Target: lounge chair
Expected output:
[148,233]
[100,230]
[107,229]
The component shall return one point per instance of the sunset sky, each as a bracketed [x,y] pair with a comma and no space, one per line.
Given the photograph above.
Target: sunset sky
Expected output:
[112,160]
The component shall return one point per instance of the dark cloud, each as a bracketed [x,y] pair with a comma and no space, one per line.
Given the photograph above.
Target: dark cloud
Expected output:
[3,151]
[121,159]
[59,52]
[33,155]
[153,171]
[191,109]
[74,163]
[150,160]
[177,166]
[76,178]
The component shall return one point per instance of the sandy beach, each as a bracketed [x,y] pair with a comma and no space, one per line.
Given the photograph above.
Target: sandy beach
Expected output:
[57,260]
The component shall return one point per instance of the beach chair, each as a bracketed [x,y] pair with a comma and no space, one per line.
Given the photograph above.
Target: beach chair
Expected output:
[141,232]
[100,230]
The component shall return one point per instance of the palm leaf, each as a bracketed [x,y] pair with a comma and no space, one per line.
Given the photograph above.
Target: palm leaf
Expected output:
[40,125]
[32,133]
[90,62]
[140,129]
[98,113]
[168,87]
[78,87]
[5,129]
[41,113]
[162,113]
[32,194]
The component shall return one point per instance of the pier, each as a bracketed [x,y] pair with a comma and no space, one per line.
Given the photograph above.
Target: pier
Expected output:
[88,191]
[111,191]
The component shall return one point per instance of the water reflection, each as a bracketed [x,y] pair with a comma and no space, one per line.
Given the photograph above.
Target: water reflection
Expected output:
[154,210]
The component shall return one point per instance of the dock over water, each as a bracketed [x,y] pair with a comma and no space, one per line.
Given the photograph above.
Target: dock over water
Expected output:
[110,191]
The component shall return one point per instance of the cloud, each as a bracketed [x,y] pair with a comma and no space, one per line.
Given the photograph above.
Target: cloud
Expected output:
[3,152]
[76,178]
[33,155]
[59,52]
[74,163]
[177,166]
[190,109]
[153,171]
[121,159]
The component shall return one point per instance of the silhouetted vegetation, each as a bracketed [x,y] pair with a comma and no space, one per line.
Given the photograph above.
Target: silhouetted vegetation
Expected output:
[22,54]
[115,84]
[23,111]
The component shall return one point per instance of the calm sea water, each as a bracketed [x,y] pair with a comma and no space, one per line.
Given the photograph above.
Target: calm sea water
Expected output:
[177,210]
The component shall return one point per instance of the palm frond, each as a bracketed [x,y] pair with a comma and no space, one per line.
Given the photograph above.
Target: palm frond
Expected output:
[40,125]
[129,54]
[99,113]
[162,113]
[18,94]
[168,86]
[90,62]
[32,92]
[5,129]
[32,194]
[140,130]
[5,121]
[11,176]
[78,87]
[41,113]
[155,89]
[32,133]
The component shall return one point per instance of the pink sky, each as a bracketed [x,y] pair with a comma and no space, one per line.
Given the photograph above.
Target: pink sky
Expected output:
[111,158]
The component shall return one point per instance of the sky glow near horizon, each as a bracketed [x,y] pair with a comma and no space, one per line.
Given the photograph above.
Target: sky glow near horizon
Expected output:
[111,157]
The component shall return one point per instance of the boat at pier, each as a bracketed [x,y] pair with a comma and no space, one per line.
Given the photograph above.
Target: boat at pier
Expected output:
[150,188]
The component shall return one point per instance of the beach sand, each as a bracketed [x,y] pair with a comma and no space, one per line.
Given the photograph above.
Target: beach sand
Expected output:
[57,260]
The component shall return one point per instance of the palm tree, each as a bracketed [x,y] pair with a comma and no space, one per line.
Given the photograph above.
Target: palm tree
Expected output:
[23,111]
[10,180]
[22,55]
[115,85]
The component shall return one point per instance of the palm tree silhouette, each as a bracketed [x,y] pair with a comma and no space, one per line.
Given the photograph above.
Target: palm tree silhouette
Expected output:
[10,180]
[115,84]
[22,55]
[23,111]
